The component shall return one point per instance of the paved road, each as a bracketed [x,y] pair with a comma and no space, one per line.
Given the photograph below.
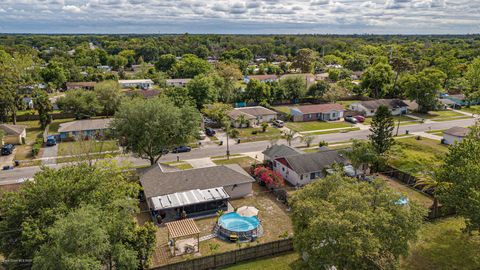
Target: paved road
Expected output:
[214,150]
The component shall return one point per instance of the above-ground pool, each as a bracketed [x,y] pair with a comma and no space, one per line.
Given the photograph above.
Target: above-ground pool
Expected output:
[245,228]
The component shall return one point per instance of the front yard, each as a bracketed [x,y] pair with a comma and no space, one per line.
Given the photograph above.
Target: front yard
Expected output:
[446,115]
[404,120]
[417,157]
[84,147]
[316,125]
[244,162]
[473,109]
[246,135]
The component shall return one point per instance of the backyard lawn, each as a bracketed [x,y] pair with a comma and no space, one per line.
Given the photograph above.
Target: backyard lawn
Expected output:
[289,261]
[245,134]
[417,157]
[82,147]
[346,103]
[282,109]
[442,245]
[412,194]
[273,215]
[316,125]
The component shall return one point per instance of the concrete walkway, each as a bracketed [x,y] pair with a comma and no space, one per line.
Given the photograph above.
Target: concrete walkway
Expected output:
[50,155]
[201,162]
[464,113]
[428,135]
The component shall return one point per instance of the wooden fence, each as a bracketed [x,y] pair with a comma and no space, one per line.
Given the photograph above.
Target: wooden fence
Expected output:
[232,257]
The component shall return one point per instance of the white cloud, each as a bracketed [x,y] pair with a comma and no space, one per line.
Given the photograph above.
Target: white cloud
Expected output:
[72,9]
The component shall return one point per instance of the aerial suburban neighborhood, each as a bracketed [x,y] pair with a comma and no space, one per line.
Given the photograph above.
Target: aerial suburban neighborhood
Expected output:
[195,147]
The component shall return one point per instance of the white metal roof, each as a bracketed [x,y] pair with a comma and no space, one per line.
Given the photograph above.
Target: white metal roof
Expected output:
[190,197]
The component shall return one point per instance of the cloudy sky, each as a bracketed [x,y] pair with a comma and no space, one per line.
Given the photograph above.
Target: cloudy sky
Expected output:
[241,16]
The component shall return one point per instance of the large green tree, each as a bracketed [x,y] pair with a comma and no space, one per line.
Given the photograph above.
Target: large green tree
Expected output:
[377,80]
[340,222]
[459,181]
[472,75]
[149,127]
[295,87]
[203,91]
[257,91]
[109,96]
[76,217]
[190,66]
[81,103]
[305,60]
[424,88]
[381,136]
[166,62]
[54,75]
[42,104]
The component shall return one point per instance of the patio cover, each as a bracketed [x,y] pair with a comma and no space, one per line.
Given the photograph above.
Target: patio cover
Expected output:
[182,228]
[185,198]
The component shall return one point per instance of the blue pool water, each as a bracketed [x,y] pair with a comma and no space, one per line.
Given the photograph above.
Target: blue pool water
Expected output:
[237,223]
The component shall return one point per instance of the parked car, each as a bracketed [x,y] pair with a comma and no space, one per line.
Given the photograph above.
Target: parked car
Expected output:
[7,149]
[359,118]
[350,119]
[278,123]
[210,132]
[181,149]
[51,141]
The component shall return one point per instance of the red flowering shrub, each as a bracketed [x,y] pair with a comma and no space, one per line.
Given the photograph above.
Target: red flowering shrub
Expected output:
[270,178]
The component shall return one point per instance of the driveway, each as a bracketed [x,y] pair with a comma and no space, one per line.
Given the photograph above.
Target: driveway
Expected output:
[49,154]
[7,160]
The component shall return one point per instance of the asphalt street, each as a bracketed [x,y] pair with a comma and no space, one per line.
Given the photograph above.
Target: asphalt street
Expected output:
[214,150]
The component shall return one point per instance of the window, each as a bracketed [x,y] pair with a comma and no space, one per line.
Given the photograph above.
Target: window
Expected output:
[301,176]
[312,176]
[283,169]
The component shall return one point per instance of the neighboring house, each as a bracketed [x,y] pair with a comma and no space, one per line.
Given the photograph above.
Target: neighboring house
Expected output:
[455,134]
[177,82]
[198,192]
[254,115]
[104,68]
[308,78]
[81,85]
[279,150]
[448,103]
[369,108]
[302,169]
[85,129]
[28,102]
[322,112]
[321,76]
[460,100]
[140,83]
[136,68]
[261,78]
[14,134]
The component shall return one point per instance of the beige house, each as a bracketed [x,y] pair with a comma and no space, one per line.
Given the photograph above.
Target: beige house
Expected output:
[253,115]
[13,134]
[455,135]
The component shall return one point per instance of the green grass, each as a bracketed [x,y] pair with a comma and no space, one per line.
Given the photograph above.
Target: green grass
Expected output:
[53,127]
[316,125]
[411,193]
[332,131]
[85,158]
[245,134]
[441,115]
[282,109]
[473,109]
[417,157]
[404,120]
[183,166]
[442,245]
[244,162]
[290,261]
[346,103]
[76,148]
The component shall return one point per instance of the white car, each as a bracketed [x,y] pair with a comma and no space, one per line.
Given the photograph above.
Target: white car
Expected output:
[278,123]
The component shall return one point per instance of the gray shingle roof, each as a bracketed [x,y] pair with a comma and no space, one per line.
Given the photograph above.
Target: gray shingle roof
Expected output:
[281,150]
[155,182]
[12,129]
[80,125]
[457,131]
[389,103]
[315,162]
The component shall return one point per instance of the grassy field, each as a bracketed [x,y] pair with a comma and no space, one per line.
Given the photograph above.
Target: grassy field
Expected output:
[412,194]
[244,162]
[290,261]
[332,131]
[76,148]
[316,125]
[473,109]
[404,120]
[441,115]
[245,134]
[282,109]
[417,157]
[441,246]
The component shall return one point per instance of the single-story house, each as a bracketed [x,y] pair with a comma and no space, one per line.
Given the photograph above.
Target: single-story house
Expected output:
[448,103]
[254,115]
[104,68]
[279,150]
[302,169]
[194,192]
[322,112]
[460,100]
[261,78]
[85,129]
[81,85]
[307,77]
[455,134]
[177,82]
[140,83]
[14,134]
[369,108]
[136,68]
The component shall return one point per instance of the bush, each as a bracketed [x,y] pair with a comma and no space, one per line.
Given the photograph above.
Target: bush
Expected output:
[322,143]
[254,132]
[36,147]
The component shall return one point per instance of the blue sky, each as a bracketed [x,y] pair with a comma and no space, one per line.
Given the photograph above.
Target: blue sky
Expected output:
[243,17]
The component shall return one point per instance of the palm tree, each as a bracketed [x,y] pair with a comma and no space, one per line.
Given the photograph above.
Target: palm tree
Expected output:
[264,126]
[361,155]
[429,182]
[242,120]
[307,140]
[289,136]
